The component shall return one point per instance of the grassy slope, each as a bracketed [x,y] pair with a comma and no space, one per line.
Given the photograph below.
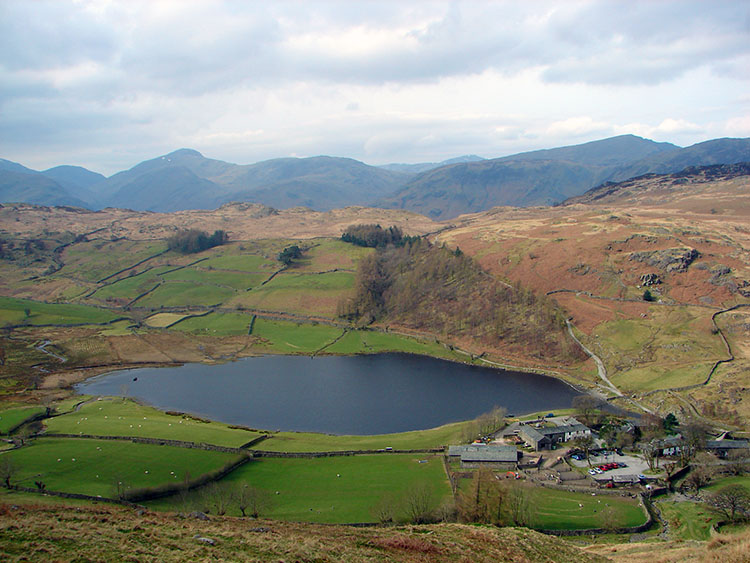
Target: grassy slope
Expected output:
[14,416]
[93,466]
[115,417]
[311,490]
[561,510]
[115,534]
[12,311]
[417,439]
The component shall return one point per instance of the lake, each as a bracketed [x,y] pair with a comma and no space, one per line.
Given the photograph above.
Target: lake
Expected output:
[369,394]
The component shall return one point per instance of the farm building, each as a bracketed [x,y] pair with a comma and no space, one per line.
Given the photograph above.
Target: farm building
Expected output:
[722,447]
[504,458]
[545,437]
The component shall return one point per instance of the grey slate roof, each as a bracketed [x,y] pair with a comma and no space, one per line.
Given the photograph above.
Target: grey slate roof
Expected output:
[489,452]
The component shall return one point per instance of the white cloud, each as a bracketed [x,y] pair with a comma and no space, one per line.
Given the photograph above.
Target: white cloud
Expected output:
[379,80]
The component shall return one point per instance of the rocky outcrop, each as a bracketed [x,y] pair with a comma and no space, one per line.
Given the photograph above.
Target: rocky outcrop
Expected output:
[650,279]
[669,260]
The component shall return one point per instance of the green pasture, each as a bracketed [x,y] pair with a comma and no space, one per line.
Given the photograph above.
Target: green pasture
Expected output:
[200,275]
[9,418]
[337,489]
[722,482]
[93,467]
[553,509]
[416,439]
[215,324]
[184,294]
[98,259]
[306,294]
[286,337]
[118,417]
[663,376]
[131,287]
[13,311]
[163,320]
[330,254]
[671,347]
[250,263]
[688,520]
[120,328]
[373,342]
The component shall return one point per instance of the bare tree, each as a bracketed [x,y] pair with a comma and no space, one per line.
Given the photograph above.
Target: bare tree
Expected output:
[8,468]
[738,461]
[252,500]
[703,470]
[483,502]
[385,509]
[516,500]
[587,407]
[732,501]
[607,518]
[584,443]
[419,503]
[650,452]
[217,497]
[693,439]
[652,426]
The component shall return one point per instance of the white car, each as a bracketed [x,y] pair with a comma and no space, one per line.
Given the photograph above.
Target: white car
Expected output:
[592,472]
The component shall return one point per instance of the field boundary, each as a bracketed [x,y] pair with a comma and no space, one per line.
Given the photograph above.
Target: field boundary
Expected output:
[152,441]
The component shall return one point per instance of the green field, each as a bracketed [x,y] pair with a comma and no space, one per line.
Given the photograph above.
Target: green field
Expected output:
[179,294]
[118,417]
[331,254]
[95,260]
[417,439]
[200,275]
[294,338]
[306,294]
[670,347]
[310,490]
[12,417]
[216,324]
[372,342]
[131,287]
[688,520]
[242,263]
[554,509]
[93,467]
[13,311]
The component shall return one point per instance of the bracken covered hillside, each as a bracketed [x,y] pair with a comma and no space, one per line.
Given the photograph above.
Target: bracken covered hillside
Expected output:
[34,533]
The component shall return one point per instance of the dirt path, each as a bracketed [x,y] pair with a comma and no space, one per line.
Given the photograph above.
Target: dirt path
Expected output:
[599,364]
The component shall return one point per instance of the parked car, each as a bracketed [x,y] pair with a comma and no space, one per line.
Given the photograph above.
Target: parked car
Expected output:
[592,472]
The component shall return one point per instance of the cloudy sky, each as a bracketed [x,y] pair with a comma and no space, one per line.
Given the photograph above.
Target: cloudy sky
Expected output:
[107,84]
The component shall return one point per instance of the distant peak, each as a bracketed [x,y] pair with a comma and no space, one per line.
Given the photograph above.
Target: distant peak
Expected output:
[185,152]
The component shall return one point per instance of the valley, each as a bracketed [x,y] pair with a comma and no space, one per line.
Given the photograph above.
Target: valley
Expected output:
[638,296]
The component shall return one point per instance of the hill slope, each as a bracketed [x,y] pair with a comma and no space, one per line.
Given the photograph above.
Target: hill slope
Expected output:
[117,534]
[551,176]
[321,183]
[535,178]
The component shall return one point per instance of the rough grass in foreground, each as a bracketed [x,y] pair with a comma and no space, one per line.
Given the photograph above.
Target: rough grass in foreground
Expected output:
[108,533]
[118,417]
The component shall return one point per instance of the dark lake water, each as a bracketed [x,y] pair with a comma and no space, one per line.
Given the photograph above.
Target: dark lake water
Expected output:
[375,394]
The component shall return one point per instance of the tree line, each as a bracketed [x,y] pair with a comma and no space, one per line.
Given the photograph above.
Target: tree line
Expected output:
[375,236]
[191,241]
[435,289]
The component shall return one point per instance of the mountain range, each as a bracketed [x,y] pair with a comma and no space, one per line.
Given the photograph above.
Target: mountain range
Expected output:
[185,179]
